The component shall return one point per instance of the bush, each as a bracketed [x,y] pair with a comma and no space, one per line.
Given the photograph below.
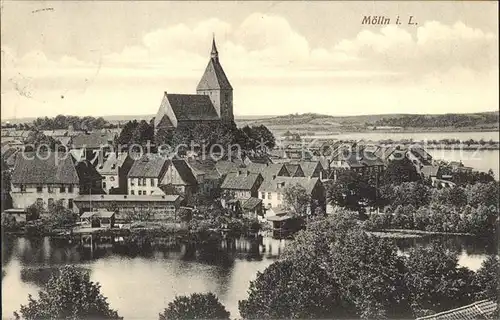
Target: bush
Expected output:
[195,306]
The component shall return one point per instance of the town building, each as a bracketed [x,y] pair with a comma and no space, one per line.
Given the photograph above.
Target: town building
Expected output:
[364,163]
[312,169]
[271,192]
[47,179]
[179,176]
[90,143]
[98,219]
[114,170]
[132,207]
[294,169]
[213,101]
[207,176]
[241,185]
[145,175]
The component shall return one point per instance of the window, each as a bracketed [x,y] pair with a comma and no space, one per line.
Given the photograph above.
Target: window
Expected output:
[39,189]
[263,195]
[104,185]
[152,191]
[70,188]
[132,192]
[50,202]
[139,192]
[132,183]
[62,189]
[139,181]
[23,188]
[111,178]
[39,201]
[152,182]
[70,203]
[269,196]
[49,189]
[144,181]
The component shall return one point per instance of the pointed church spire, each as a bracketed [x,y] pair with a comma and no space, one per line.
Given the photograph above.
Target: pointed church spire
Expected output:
[214,54]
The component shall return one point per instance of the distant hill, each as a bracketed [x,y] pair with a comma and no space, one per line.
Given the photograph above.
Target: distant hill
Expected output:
[321,122]
[401,120]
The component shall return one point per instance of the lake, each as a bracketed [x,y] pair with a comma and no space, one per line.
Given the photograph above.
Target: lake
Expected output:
[481,160]
[416,136]
[140,286]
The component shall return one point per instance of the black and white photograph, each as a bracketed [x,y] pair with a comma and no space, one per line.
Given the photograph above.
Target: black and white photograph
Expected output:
[250,160]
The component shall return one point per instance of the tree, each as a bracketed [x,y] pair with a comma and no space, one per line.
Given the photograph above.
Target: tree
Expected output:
[406,193]
[354,260]
[351,191]
[69,295]
[399,171]
[37,140]
[6,199]
[371,275]
[126,133]
[296,198]
[61,216]
[142,133]
[314,242]
[483,194]
[435,281]
[292,290]
[35,211]
[486,279]
[195,306]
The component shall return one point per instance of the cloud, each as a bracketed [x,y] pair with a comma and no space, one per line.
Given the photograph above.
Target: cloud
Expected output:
[265,56]
[435,48]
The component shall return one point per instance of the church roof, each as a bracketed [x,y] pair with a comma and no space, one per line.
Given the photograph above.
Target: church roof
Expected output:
[214,76]
[192,107]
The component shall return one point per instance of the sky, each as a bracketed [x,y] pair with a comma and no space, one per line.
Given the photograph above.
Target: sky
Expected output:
[117,58]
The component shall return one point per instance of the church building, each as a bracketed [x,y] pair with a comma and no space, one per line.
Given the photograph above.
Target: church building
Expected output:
[212,102]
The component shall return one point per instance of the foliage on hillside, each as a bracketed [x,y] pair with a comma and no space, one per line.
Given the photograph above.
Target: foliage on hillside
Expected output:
[78,123]
[439,121]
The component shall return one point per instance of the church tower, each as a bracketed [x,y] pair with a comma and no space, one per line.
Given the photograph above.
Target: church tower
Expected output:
[215,84]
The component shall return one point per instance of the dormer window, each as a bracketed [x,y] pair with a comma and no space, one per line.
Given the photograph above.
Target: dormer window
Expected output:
[113,167]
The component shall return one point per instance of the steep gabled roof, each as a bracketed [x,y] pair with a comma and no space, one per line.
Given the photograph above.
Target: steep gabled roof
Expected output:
[192,107]
[113,160]
[226,166]
[31,168]
[279,183]
[308,167]
[256,167]
[93,140]
[206,167]
[148,166]
[251,203]
[86,172]
[214,76]
[184,172]
[240,181]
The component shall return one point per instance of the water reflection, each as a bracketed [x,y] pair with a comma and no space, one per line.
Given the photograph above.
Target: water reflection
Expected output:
[139,284]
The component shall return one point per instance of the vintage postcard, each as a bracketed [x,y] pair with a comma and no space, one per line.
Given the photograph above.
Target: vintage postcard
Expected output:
[249,159]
